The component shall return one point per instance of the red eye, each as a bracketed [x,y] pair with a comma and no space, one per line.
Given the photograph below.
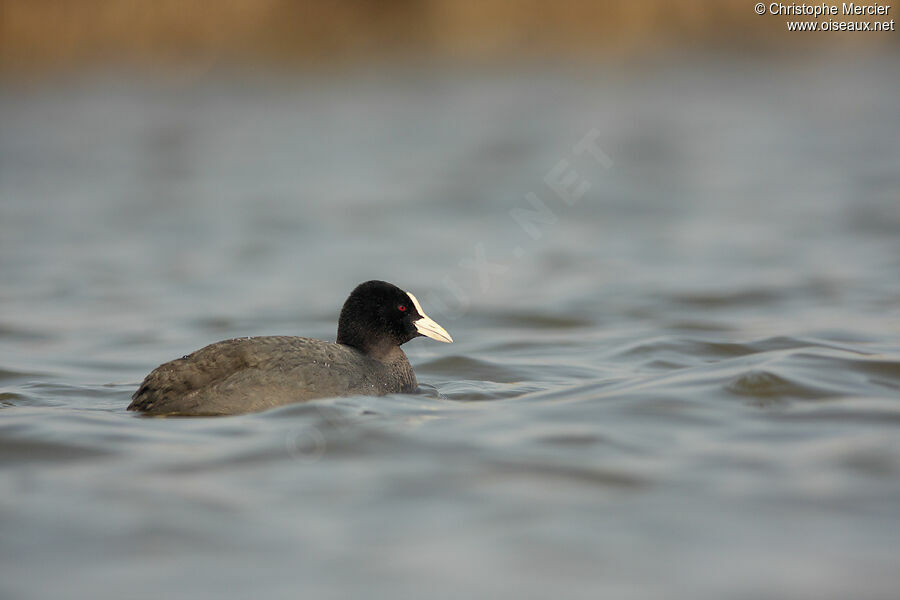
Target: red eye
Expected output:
[402,308]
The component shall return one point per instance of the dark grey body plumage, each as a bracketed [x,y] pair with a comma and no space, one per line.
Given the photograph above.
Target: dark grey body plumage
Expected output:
[263,372]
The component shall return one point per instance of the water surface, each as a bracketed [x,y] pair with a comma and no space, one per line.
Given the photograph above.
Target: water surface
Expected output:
[684,384]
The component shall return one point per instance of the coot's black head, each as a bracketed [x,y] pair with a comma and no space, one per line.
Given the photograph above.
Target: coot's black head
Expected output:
[379,316]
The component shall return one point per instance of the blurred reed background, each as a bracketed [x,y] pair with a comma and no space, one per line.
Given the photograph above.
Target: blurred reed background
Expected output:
[53,34]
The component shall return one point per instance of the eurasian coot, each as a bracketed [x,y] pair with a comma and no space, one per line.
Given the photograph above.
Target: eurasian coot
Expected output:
[250,374]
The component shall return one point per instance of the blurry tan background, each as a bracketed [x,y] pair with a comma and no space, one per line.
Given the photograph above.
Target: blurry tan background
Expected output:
[42,35]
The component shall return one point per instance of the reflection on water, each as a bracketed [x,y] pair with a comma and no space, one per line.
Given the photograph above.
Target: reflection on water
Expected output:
[684,384]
